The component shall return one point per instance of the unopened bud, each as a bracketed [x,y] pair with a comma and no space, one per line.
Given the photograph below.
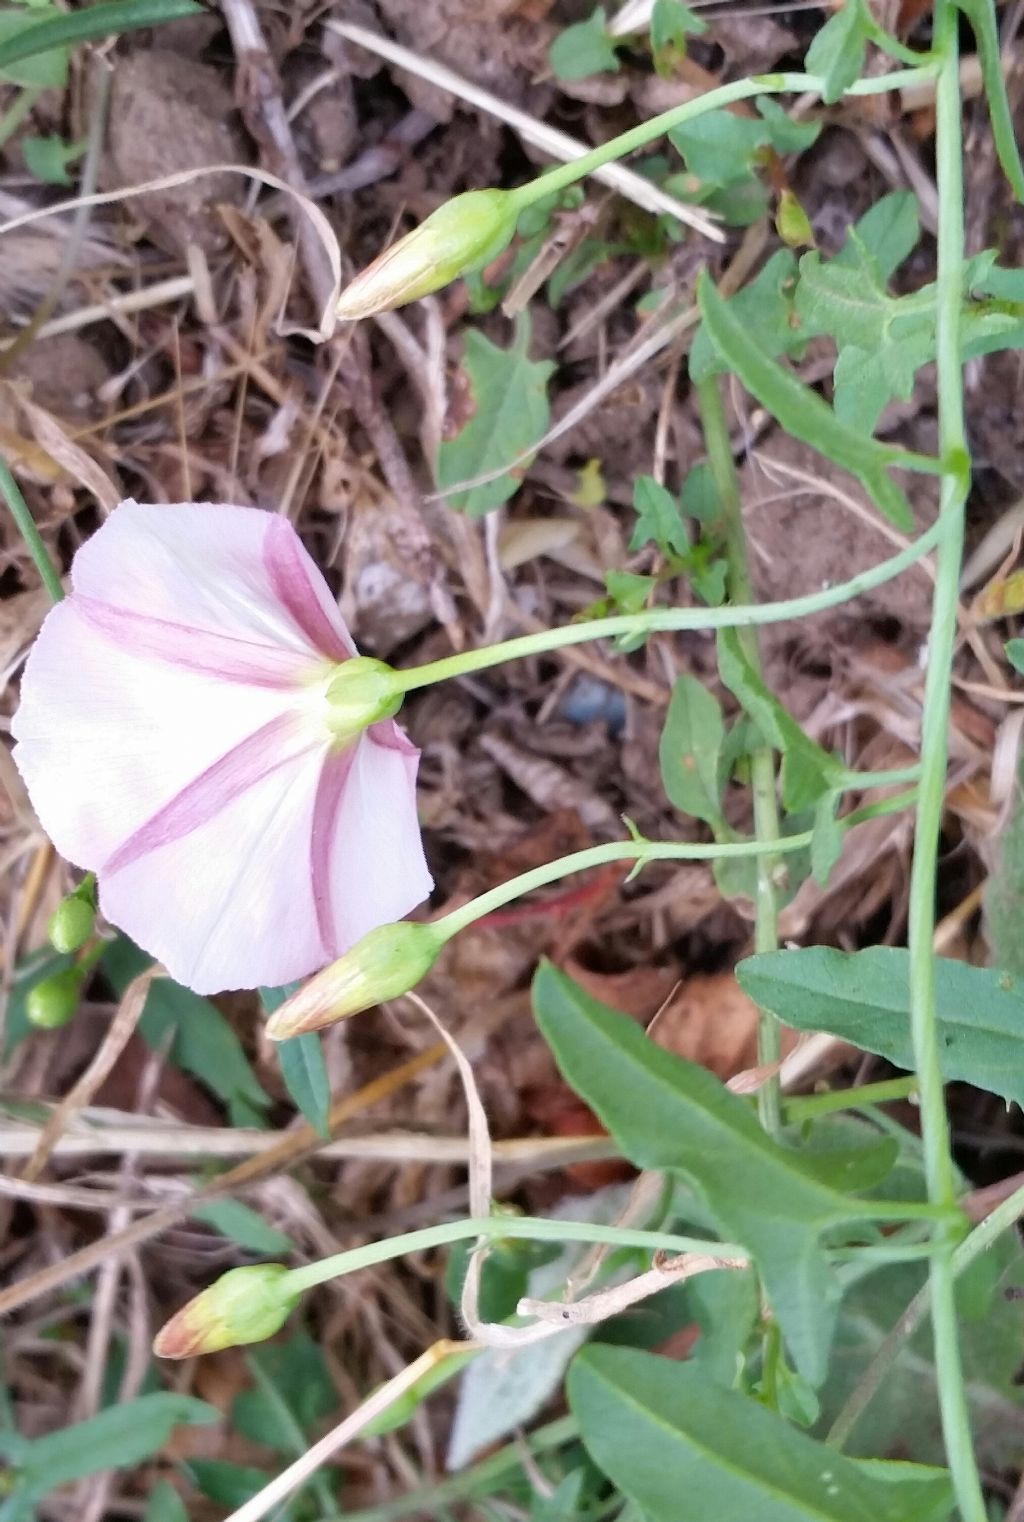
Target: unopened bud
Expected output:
[71,923]
[53,1001]
[245,1305]
[461,236]
[362,692]
[387,962]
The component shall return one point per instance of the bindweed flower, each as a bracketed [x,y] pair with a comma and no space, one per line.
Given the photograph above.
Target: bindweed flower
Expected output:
[387,962]
[196,728]
[245,1305]
[463,235]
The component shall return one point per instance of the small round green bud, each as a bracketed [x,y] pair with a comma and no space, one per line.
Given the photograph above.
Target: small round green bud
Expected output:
[52,1001]
[464,234]
[362,692]
[71,923]
[245,1305]
[387,962]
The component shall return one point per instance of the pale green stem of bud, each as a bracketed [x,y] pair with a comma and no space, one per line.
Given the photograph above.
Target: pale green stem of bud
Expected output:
[362,692]
[245,1305]
[472,229]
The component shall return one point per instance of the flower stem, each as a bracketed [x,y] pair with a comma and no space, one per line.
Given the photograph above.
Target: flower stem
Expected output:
[563,175]
[530,1228]
[639,851]
[26,526]
[666,620]
[810,1106]
[938,1165]
[762,760]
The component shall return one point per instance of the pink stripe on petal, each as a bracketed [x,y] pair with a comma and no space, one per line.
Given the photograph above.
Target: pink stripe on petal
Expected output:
[220,655]
[284,560]
[326,807]
[200,800]
[392,737]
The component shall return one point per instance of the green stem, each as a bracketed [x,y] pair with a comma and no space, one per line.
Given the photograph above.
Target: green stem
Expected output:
[639,851]
[649,131]
[861,781]
[810,1106]
[531,1228]
[938,1164]
[870,1382]
[665,620]
[26,526]
[762,761]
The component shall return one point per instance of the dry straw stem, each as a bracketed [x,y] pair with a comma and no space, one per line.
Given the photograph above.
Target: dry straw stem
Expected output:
[558,144]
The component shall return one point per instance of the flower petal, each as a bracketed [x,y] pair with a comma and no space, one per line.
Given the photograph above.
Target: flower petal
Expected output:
[108,737]
[230,904]
[378,871]
[232,571]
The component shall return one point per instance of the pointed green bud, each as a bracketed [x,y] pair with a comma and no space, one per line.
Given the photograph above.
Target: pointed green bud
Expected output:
[245,1305]
[387,962]
[362,692]
[72,922]
[461,236]
[52,1002]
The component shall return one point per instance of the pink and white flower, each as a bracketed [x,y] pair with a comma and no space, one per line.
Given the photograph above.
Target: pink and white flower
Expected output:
[177,738]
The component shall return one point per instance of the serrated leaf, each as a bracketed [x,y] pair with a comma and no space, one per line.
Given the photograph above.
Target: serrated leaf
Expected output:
[665,1113]
[660,1432]
[883,237]
[785,134]
[47,158]
[508,393]
[803,414]
[671,23]
[242,1224]
[864,997]
[764,308]
[1015,654]
[836,55]
[719,147]
[689,751]
[629,592]
[201,1040]
[658,518]
[808,771]
[584,49]
[302,1065]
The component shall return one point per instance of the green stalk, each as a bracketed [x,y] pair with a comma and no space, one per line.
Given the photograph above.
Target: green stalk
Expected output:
[938,1164]
[762,761]
[531,1228]
[639,851]
[26,526]
[649,131]
[666,620]
[811,1106]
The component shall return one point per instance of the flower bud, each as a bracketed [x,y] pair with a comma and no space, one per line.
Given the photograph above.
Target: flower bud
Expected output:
[245,1305]
[462,235]
[387,962]
[72,923]
[53,1001]
[362,692]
